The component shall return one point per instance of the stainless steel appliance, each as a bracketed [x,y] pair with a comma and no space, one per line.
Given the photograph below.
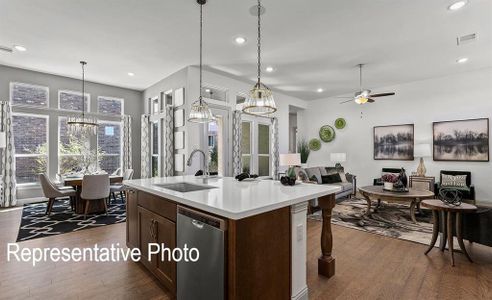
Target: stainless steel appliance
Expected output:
[203,279]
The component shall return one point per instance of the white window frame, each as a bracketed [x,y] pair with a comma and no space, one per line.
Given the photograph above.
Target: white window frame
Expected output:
[250,154]
[47,117]
[47,89]
[254,160]
[87,107]
[122,100]
[121,140]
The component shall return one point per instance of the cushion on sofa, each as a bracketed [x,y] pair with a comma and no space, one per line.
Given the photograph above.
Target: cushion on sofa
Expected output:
[453,181]
[333,178]
[314,171]
[346,186]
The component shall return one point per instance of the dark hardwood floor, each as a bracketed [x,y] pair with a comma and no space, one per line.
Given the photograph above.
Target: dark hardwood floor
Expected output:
[367,267]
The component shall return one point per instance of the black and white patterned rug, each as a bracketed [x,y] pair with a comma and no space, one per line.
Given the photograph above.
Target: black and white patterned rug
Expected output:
[391,219]
[35,224]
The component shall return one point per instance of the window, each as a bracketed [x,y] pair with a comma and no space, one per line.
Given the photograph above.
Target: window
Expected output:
[246,146]
[109,105]
[154,106]
[70,149]
[155,149]
[109,145]
[263,150]
[70,100]
[28,94]
[31,146]
[214,93]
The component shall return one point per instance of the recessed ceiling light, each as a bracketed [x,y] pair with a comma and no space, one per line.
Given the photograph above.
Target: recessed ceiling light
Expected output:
[458,5]
[320,90]
[269,69]
[207,91]
[131,74]
[20,48]
[462,60]
[240,40]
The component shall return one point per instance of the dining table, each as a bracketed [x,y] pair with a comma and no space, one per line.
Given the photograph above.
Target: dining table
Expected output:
[77,184]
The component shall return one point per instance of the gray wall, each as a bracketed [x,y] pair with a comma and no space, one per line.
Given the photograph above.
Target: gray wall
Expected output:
[132,106]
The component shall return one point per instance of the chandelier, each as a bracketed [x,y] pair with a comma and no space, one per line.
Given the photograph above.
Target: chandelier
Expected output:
[82,124]
[200,112]
[260,100]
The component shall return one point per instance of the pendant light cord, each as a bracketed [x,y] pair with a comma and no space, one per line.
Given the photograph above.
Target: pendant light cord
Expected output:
[360,77]
[259,41]
[201,49]
[83,63]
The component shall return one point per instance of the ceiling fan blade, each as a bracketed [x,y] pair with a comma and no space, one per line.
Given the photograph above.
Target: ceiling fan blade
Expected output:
[347,101]
[382,95]
[371,100]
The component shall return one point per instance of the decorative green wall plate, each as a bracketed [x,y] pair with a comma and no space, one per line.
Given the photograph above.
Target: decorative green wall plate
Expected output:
[327,133]
[340,123]
[315,144]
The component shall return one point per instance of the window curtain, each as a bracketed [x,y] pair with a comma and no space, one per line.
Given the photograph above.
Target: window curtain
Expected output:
[237,134]
[168,138]
[145,147]
[274,150]
[8,182]
[127,143]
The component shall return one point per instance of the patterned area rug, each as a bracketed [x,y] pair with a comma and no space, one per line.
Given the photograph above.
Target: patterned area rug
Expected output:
[392,220]
[35,224]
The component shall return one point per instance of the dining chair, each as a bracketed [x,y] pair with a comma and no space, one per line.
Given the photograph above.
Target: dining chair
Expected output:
[116,172]
[51,192]
[95,188]
[119,188]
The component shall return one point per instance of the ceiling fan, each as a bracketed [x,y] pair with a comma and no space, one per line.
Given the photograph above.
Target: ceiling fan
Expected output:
[364,96]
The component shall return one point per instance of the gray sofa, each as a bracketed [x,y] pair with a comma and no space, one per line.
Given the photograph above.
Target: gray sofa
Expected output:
[349,184]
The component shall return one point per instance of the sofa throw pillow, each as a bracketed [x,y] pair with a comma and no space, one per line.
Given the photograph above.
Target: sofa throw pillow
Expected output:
[314,171]
[334,178]
[343,176]
[302,175]
[453,181]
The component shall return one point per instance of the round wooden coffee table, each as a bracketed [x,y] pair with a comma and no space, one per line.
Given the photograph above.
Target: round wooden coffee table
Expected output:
[443,215]
[413,196]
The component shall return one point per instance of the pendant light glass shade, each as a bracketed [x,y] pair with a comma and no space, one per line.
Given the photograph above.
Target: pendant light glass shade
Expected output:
[82,124]
[260,100]
[200,112]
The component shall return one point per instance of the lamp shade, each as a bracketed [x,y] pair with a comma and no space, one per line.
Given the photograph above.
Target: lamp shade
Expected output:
[291,159]
[3,139]
[338,157]
[422,150]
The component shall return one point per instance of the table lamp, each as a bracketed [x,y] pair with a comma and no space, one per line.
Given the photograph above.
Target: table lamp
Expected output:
[338,158]
[290,160]
[422,150]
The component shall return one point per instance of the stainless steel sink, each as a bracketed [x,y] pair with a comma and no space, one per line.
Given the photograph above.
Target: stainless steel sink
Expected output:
[184,187]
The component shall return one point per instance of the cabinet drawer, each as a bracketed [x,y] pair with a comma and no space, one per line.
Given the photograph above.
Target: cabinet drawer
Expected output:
[157,205]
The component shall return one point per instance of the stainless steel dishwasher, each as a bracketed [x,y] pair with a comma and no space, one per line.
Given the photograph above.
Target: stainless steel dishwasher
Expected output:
[203,279]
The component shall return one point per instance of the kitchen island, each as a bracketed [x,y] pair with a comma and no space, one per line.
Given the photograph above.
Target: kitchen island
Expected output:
[263,225]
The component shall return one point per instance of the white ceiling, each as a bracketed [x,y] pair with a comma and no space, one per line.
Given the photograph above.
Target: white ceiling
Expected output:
[311,44]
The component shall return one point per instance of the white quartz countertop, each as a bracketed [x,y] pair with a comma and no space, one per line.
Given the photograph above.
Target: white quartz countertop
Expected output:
[233,199]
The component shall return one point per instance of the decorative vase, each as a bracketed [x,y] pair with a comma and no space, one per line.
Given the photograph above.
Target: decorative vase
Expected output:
[388,185]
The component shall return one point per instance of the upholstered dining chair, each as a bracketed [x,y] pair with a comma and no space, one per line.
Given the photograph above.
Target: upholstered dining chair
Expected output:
[119,188]
[51,192]
[95,188]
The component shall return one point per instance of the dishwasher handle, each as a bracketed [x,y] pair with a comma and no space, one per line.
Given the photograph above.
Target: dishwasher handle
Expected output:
[197,224]
[199,219]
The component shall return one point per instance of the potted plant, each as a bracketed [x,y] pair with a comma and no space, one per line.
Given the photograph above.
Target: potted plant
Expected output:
[389,180]
[303,150]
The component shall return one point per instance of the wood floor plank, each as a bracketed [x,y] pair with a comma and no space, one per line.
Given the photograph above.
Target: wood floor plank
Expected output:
[368,266]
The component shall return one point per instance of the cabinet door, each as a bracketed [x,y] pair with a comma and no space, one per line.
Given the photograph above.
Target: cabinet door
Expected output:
[131,219]
[165,231]
[145,234]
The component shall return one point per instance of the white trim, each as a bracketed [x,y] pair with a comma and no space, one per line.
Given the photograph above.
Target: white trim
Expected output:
[122,100]
[88,95]
[47,89]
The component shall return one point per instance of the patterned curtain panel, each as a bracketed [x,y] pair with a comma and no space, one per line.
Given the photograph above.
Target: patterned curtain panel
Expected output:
[145,147]
[8,182]
[168,138]
[237,134]
[127,143]
[275,150]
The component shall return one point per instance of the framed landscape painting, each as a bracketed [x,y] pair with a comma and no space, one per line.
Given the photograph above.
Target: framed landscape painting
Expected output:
[394,142]
[461,140]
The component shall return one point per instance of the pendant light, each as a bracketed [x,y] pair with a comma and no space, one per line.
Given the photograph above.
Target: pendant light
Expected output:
[82,124]
[260,100]
[200,112]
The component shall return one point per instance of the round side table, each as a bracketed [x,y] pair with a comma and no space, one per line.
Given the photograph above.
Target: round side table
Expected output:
[443,215]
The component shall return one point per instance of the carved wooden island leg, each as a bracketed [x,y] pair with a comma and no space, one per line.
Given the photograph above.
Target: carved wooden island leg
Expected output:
[326,262]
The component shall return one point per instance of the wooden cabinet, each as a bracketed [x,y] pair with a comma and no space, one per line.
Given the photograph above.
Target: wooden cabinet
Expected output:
[153,228]
[131,219]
